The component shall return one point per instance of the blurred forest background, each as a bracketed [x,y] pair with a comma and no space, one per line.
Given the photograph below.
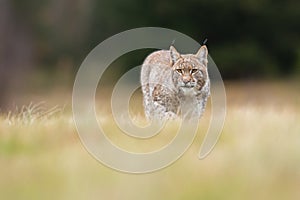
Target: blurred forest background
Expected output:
[42,43]
[256,46]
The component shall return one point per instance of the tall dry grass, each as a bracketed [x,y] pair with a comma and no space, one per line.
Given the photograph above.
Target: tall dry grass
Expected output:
[257,156]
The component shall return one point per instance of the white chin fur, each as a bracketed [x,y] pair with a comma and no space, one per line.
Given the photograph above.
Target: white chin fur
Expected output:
[188,91]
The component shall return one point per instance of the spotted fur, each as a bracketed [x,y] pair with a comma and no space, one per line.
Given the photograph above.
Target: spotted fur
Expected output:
[170,80]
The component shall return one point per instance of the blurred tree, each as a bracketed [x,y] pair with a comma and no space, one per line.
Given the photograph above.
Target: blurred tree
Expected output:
[16,50]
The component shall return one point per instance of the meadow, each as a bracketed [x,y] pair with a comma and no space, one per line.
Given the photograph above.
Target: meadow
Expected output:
[256,157]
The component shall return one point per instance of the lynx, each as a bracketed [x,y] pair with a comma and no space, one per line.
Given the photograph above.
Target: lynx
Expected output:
[170,80]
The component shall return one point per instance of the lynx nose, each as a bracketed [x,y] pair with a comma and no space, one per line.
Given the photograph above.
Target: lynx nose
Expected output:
[186,79]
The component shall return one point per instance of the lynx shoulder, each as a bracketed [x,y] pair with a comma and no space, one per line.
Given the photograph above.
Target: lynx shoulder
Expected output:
[170,80]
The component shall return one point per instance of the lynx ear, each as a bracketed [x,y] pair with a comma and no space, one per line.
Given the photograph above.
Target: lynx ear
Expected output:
[174,54]
[202,55]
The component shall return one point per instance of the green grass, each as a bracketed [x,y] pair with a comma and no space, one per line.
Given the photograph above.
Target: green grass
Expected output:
[257,156]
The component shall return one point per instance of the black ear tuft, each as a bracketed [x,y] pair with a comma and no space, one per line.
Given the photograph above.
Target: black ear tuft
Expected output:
[204,41]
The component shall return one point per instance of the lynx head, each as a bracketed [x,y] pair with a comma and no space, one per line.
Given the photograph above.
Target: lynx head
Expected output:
[189,70]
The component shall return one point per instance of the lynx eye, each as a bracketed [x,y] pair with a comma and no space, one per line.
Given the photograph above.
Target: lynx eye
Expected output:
[180,71]
[194,71]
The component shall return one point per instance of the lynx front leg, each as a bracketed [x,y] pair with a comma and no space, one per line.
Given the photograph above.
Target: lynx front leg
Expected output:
[165,103]
[201,103]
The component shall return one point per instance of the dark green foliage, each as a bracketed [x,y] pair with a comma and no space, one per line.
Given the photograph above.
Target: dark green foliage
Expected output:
[246,38]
